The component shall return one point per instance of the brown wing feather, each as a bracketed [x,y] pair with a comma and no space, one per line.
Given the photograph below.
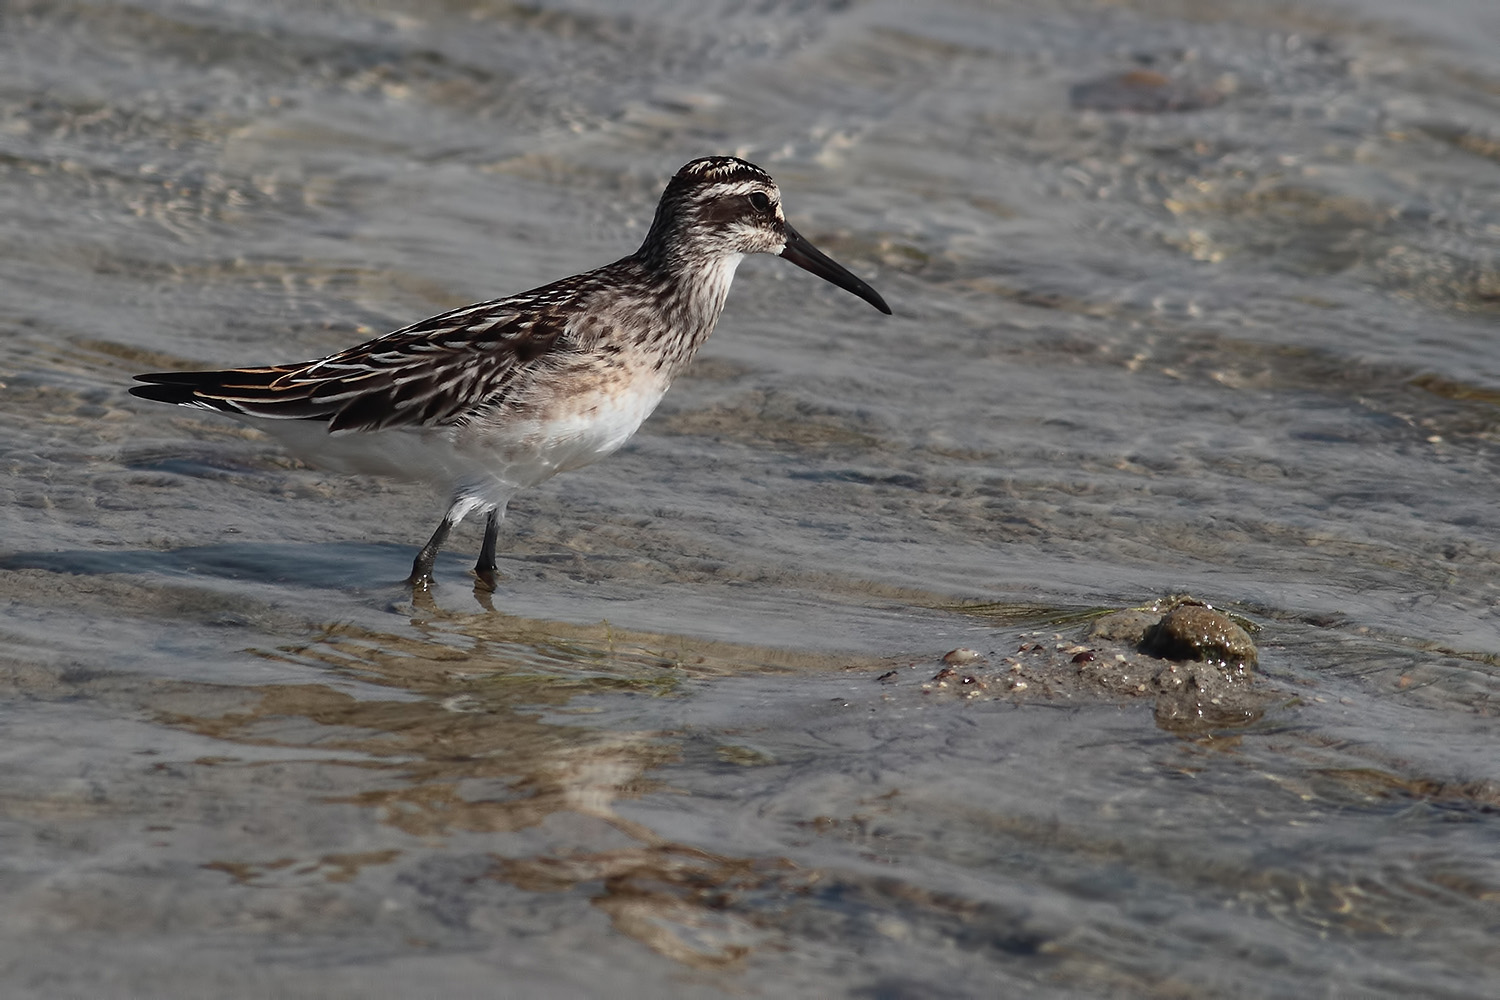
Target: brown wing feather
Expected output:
[431,373]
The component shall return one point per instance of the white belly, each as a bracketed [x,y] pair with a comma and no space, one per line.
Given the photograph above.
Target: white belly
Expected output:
[487,461]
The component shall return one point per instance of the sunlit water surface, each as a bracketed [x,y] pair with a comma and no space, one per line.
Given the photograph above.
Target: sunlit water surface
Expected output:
[1190,297]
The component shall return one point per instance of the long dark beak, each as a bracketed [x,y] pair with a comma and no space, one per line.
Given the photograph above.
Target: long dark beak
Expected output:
[810,258]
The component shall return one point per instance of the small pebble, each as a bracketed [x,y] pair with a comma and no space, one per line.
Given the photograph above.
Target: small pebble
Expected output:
[1198,632]
[1144,91]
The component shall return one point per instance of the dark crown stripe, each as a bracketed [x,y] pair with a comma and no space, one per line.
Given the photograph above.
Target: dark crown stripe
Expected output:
[718,169]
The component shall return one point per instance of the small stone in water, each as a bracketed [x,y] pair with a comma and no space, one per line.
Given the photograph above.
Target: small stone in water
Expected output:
[1144,91]
[1195,632]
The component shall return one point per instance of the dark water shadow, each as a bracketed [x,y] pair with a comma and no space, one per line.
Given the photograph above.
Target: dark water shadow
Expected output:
[337,565]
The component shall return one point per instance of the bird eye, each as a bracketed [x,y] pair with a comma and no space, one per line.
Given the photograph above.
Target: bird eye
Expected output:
[760,201]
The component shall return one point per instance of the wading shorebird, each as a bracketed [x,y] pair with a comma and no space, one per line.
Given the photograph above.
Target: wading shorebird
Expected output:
[489,399]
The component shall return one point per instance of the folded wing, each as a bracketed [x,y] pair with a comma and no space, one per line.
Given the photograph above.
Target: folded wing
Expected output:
[433,373]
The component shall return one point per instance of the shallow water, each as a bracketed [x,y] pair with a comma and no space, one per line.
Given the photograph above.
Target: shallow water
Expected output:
[1189,297]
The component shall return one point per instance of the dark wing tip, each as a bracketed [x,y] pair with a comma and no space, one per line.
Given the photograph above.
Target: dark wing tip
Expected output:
[164,387]
[218,390]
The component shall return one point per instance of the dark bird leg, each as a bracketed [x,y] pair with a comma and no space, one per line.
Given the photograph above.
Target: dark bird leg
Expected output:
[485,568]
[421,569]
